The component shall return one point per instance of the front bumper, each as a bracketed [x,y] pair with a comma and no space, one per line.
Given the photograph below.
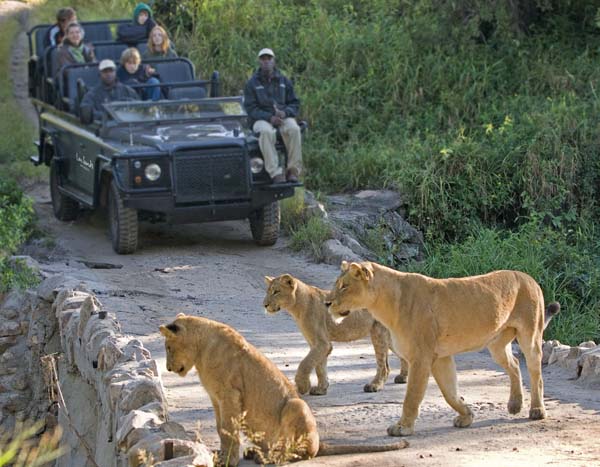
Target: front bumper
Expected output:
[183,213]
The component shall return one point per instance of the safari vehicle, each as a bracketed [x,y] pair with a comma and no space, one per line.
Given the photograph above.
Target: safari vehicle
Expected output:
[186,158]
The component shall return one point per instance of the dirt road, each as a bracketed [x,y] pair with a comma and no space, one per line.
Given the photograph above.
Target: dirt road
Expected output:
[216,271]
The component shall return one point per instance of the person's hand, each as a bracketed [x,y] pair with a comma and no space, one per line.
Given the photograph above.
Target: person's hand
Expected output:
[280,114]
[276,121]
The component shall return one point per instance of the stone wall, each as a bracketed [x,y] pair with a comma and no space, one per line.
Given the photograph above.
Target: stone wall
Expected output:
[582,362]
[102,387]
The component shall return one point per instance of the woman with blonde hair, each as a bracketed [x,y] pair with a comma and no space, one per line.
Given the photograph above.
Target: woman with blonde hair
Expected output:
[159,45]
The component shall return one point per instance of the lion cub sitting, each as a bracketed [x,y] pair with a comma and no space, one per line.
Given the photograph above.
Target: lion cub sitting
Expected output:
[306,304]
[242,382]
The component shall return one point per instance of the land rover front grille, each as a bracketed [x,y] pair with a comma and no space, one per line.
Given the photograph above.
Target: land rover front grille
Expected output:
[214,175]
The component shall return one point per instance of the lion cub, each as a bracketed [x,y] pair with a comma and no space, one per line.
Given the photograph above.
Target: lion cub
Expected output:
[306,304]
[241,380]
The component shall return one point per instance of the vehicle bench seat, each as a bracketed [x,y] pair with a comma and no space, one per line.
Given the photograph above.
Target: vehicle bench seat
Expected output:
[88,74]
[177,70]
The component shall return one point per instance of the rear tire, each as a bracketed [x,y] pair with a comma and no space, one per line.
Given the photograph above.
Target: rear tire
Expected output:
[65,208]
[264,224]
[122,222]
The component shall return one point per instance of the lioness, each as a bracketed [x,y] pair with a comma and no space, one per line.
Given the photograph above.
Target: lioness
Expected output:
[241,380]
[306,304]
[432,319]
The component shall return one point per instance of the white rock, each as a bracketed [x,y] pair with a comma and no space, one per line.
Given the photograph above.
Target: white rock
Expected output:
[133,420]
[334,253]
[589,363]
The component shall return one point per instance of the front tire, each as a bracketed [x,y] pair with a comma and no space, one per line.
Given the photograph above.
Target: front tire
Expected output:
[264,224]
[123,223]
[65,208]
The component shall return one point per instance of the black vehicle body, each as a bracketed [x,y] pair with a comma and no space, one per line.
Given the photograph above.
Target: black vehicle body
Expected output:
[185,159]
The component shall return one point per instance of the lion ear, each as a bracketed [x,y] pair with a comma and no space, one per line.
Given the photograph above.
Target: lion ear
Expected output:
[354,269]
[268,280]
[344,266]
[367,270]
[288,280]
[180,315]
[361,271]
[170,330]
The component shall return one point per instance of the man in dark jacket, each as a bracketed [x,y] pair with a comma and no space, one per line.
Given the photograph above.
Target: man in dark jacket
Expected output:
[271,104]
[108,90]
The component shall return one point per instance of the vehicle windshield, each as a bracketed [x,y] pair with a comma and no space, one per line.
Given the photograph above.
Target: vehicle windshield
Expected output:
[209,109]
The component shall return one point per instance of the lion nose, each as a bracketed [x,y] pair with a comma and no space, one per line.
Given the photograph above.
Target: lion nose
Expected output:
[327,304]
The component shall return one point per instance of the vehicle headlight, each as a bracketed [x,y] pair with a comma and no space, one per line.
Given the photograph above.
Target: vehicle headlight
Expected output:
[256,165]
[152,172]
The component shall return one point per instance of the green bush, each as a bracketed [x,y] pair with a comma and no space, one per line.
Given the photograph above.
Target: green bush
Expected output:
[450,102]
[16,218]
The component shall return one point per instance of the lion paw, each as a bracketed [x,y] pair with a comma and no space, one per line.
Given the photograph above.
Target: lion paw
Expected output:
[317,391]
[537,413]
[400,379]
[514,406]
[372,387]
[463,421]
[397,430]
[220,459]
[303,386]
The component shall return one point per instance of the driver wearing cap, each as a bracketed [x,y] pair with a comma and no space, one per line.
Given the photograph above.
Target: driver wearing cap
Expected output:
[271,104]
[108,90]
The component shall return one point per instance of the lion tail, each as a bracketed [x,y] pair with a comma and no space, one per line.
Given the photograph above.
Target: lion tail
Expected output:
[551,310]
[340,449]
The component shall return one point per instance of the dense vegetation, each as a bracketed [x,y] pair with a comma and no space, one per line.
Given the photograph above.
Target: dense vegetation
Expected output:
[483,113]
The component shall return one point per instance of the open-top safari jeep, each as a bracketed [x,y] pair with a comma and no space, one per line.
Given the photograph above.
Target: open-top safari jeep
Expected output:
[186,158]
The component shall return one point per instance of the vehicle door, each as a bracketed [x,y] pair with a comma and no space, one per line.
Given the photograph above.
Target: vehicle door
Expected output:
[76,149]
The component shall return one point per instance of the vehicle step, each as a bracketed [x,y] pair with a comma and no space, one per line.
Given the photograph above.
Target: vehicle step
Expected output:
[279,186]
[79,195]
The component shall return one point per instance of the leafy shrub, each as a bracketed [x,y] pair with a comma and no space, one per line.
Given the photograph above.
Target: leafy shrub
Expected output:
[450,102]
[16,217]
[16,214]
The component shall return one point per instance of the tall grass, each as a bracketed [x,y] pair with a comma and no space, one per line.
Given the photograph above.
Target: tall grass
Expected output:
[405,94]
[16,133]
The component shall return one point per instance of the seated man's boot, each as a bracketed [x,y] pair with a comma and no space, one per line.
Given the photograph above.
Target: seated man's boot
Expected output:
[292,175]
[278,179]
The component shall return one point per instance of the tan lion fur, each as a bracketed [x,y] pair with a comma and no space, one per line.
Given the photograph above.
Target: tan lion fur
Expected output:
[242,383]
[433,319]
[306,304]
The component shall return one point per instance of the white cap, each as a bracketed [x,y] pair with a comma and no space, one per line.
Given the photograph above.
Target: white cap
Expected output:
[106,63]
[266,52]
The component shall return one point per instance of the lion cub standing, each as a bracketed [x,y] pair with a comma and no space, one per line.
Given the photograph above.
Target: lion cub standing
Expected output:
[240,380]
[306,304]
